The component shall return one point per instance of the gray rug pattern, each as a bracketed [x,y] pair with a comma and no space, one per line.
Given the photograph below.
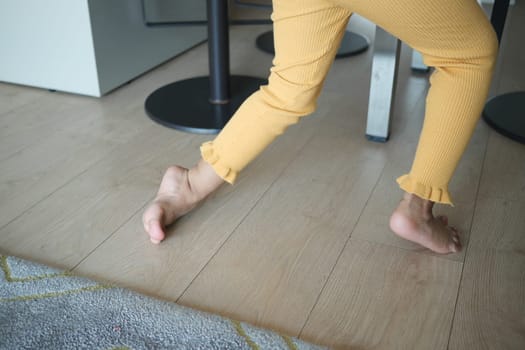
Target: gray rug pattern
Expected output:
[45,308]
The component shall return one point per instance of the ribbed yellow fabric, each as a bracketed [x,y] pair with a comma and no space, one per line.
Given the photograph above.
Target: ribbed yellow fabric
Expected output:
[454,36]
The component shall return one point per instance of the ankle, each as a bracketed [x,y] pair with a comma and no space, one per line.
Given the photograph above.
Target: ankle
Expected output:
[202,180]
[418,206]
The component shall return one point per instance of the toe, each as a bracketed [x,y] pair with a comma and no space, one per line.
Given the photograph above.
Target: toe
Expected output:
[153,219]
[156,231]
[454,230]
[455,244]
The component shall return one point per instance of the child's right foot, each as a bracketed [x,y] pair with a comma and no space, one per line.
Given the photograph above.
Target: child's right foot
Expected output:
[413,220]
[180,191]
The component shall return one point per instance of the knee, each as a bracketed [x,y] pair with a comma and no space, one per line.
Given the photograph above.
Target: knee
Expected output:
[476,53]
[291,96]
[482,52]
[487,50]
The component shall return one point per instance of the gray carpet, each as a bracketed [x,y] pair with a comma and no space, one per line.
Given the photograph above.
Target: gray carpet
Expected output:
[44,308]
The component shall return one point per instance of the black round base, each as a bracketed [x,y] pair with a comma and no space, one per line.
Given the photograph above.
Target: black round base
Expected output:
[184,105]
[506,114]
[352,44]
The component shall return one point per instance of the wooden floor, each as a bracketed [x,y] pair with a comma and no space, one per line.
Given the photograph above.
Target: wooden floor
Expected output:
[300,244]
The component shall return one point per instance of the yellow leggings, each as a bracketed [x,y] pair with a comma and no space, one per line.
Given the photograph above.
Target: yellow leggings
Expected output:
[454,36]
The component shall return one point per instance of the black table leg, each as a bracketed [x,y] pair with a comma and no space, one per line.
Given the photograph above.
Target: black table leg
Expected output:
[352,44]
[205,104]
[506,114]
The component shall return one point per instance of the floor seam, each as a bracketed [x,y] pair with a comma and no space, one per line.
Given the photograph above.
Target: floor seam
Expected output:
[470,239]
[340,253]
[245,217]
[112,233]
[73,178]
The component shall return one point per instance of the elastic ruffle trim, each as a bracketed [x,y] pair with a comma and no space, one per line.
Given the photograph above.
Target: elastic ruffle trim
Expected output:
[438,195]
[212,158]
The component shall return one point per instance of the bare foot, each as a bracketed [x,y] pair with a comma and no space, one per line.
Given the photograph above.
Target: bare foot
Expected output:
[413,220]
[180,191]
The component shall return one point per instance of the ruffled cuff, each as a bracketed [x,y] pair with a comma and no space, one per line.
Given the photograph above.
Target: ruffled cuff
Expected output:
[434,194]
[211,157]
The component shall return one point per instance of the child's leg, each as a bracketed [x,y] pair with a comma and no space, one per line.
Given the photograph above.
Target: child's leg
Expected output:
[456,38]
[453,35]
[307,34]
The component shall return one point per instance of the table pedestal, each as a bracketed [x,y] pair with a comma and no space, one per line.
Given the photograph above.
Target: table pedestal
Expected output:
[185,105]
[205,104]
[505,113]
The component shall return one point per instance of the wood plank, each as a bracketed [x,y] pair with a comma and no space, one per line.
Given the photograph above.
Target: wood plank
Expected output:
[33,121]
[273,267]
[490,313]
[14,96]
[71,222]
[381,297]
[52,138]
[129,259]
[57,152]
[504,169]
[60,113]
[38,171]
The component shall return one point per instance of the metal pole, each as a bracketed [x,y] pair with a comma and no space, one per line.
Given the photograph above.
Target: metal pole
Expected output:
[498,16]
[218,51]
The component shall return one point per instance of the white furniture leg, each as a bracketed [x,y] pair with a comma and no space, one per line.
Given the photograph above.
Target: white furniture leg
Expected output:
[382,85]
[417,62]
